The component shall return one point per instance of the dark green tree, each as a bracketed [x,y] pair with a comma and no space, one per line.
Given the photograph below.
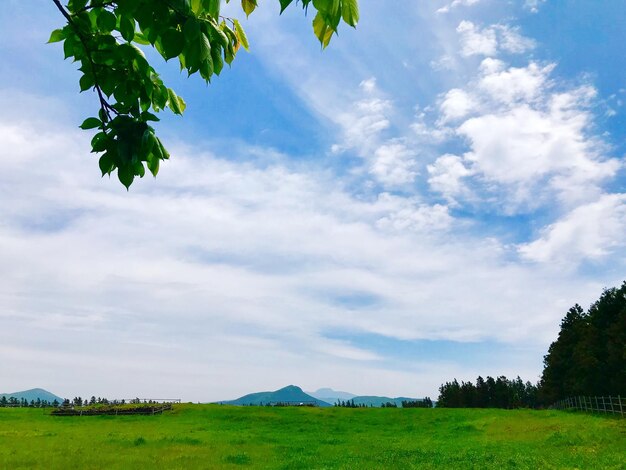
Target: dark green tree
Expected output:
[589,354]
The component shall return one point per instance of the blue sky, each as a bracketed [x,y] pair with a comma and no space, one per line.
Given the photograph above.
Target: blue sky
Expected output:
[423,200]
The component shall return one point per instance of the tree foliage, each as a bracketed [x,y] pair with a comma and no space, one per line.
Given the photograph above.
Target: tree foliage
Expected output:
[106,38]
[589,356]
[489,393]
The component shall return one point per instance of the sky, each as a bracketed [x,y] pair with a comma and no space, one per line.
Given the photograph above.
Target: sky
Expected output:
[423,200]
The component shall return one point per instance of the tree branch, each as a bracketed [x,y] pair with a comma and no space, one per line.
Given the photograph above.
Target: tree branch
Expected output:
[104,104]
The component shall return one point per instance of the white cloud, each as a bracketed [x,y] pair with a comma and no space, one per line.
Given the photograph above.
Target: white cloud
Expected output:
[407,214]
[475,41]
[393,165]
[446,176]
[490,40]
[590,231]
[514,84]
[367,117]
[456,104]
[528,143]
[512,41]
[455,4]
[237,265]
[533,5]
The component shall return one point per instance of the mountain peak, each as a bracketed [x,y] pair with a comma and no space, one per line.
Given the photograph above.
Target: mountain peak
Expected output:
[290,388]
[291,394]
[34,394]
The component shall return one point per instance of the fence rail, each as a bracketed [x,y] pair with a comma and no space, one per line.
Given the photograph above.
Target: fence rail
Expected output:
[608,405]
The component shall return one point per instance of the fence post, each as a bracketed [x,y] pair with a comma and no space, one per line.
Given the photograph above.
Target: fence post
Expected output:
[612,409]
[621,409]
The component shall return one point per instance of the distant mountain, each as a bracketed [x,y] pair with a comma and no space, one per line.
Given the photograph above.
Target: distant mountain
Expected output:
[331,396]
[290,394]
[33,394]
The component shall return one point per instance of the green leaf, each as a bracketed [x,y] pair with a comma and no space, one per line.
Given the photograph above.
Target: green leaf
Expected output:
[173,42]
[176,103]
[218,62]
[217,35]
[99,142]
[106,21]
[126,175]
[248,6]
[139,169]
[146,116]
[68,46]
[164,153]
[56,36]
[106,164]
[140,38]
[284,4]
[91,123]
[241,35]
[86,82]
[213,8]
[205,48]
[75,5]
[191,30]
[206,68]
[153,164]
[127,28]
[322,30]
[196,7]
[350,12]
[147,144]
[323,5]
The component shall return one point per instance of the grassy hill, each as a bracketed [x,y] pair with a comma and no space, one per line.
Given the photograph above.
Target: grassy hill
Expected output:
[227,437]
[290,394]
[33,394]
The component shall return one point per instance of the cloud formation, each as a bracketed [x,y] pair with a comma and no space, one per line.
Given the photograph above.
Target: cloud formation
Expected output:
[490,40]
[527,141]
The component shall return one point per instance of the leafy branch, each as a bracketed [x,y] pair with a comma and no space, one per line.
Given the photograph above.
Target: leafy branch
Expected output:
[103,36]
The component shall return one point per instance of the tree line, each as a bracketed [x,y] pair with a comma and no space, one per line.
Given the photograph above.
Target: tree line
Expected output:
[588,358]
[424,403]
[13,402]
[488,393]
[349,404]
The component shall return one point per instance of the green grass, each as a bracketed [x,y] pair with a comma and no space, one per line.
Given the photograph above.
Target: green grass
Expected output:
[216,437]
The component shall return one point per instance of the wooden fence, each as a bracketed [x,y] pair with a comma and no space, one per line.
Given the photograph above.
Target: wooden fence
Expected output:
[157,408]
[613,405]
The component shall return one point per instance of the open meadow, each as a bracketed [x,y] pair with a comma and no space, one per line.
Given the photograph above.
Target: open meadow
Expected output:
[214,436]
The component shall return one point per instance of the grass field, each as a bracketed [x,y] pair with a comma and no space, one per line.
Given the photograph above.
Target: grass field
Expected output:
[213,436]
